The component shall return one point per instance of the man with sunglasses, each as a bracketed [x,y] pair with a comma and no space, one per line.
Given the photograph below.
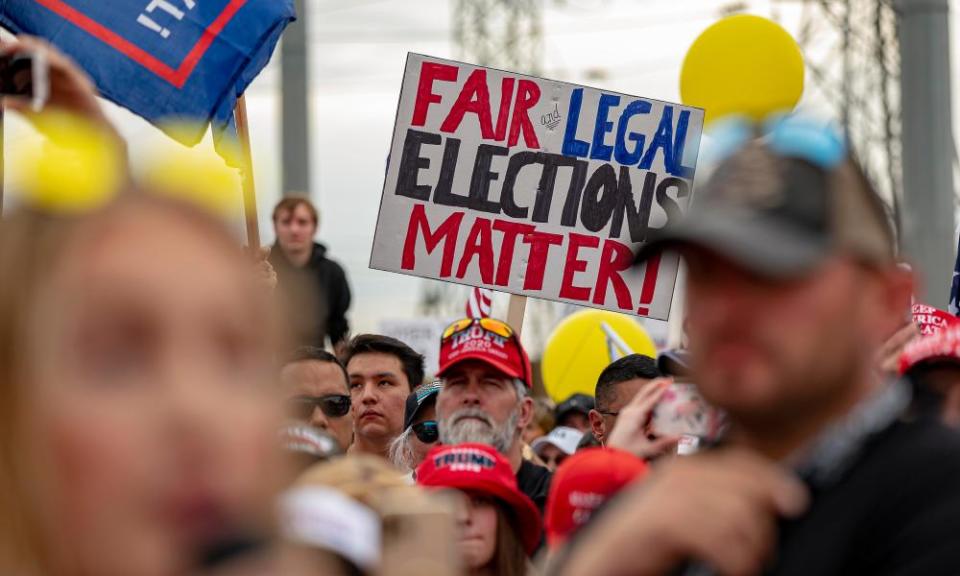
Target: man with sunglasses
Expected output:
[792,289]
[317,394]
[486,377]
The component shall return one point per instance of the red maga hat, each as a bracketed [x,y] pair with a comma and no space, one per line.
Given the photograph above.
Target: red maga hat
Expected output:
[942,346]
[480,469]
[487,340]
[582,483]
[930,320]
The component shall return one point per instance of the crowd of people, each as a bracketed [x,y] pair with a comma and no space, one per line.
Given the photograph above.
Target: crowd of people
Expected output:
[172,405]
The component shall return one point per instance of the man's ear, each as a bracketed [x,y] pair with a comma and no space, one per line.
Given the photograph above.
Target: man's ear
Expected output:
[898,285]
[526,413]
[596,425]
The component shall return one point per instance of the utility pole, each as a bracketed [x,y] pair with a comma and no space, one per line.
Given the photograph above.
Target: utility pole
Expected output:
[502,34]
[295,106]
[927,139]
[499,33]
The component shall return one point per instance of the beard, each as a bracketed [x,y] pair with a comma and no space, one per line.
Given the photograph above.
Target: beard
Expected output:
[475,425]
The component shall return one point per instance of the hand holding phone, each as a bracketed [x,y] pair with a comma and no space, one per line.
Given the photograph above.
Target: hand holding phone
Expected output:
[682,411]
[25,75]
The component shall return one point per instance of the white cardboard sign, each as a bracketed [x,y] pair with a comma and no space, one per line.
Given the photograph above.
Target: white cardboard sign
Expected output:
[534,187]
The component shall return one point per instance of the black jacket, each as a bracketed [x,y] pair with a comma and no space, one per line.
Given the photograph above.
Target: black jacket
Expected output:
[315,297]
[893,511]
[534,481]
[897,512]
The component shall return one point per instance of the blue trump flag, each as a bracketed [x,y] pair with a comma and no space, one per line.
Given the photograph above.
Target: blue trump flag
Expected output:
[182,61]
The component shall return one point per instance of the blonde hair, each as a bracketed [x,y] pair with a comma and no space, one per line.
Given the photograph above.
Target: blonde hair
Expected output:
[32,244]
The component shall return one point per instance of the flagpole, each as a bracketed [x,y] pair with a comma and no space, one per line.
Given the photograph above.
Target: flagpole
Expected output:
[3,167]
[249,187]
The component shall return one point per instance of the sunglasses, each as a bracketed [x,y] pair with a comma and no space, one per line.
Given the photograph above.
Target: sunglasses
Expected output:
[426,431]
[332,406]
[794,136]
[491,325]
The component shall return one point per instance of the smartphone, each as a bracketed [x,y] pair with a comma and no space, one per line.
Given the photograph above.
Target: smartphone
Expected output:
[25,75]
[683,412]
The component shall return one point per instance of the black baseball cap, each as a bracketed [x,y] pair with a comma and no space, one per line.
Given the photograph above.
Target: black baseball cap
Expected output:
[581,403]
[674,363]
[417,399]
[779,205]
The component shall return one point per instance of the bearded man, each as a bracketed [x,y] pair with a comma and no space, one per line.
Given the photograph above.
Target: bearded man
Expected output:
[485,397]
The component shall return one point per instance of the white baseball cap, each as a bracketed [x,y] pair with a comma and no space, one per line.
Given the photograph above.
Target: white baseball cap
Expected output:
[563,437]
[325,518]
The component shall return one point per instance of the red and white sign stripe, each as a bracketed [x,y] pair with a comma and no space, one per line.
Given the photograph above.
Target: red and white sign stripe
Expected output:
[479,303]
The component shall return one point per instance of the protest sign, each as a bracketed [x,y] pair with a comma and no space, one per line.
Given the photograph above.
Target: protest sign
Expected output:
[421,334]
[534,187]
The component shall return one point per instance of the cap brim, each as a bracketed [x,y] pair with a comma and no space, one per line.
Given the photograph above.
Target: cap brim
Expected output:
[501,366]
[761,245]
[427,399]
[541,442]
[529,524]
[674,363]
[545,440]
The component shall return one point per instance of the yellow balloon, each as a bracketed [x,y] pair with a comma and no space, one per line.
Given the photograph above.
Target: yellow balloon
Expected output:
[196,176]
[744,65]
[77,168]
[577,350]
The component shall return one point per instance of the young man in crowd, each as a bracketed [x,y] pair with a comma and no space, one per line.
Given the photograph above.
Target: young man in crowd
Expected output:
[383,371]
[618,384]
[792,288]
[316,386]
[485,398]
[314,288]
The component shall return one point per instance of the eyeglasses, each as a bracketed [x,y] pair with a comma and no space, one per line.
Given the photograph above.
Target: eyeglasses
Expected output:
[605,413]
[788,135]
[492,325]
[426,431]
[332,406]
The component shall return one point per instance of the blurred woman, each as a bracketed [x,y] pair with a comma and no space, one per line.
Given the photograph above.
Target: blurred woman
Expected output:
[499,525]
[137,424]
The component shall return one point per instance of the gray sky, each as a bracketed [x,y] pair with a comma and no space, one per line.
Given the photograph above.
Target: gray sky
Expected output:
[358,49]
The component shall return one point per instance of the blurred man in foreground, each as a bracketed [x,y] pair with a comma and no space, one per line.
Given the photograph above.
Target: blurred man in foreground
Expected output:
[791,284]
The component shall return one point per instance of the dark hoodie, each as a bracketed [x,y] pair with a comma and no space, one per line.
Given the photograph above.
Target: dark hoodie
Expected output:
[315,297]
